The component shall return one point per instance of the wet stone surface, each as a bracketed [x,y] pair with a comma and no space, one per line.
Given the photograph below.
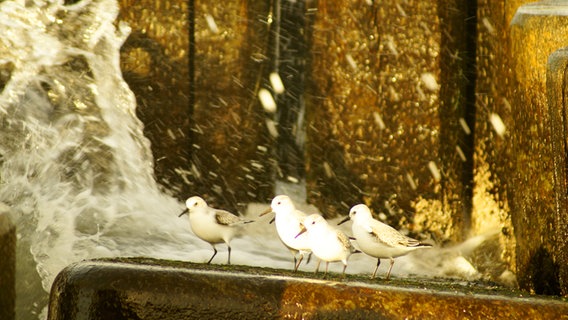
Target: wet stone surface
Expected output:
[139,288]
[195,69]
[557,78]
[388,107]
[372,109]
[537,30]
[492,151]
[7,264]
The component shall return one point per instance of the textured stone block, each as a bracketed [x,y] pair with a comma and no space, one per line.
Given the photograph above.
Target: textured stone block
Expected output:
[537,30]
[151,289]
[557,85]
[7,265]
[493,154]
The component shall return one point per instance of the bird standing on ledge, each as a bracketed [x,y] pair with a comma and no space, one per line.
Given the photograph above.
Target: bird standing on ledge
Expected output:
[288,221]
[326,242]
[377,239]
[212,225]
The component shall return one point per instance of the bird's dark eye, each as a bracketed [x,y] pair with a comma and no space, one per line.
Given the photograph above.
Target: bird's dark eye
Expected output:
[279,203]
[354,212]
[195,204]
[313,222]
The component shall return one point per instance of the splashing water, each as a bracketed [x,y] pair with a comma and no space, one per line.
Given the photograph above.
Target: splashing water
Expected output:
[75,165]
[76,168]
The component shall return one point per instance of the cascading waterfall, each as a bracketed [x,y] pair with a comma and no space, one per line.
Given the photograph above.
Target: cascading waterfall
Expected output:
[75,166]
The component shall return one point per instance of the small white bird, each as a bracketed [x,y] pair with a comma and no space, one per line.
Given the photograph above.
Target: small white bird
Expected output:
[212,225]
[326,242]
[288,221]
[377,239]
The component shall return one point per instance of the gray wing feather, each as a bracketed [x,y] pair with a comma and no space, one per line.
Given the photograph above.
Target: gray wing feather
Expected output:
[343,239]
[226,218]
[391,237]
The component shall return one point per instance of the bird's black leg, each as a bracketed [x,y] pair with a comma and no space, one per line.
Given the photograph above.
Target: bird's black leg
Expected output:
[326,267]
[297,265]
[229,257]
[376,268]
[214,253]
[390,268]
[309,257]
[317,267]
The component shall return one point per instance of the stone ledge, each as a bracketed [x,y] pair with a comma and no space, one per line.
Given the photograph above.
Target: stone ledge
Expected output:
[7,264]
[159,289]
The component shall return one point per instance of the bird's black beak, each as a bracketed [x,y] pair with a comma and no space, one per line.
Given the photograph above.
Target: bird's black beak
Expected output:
[344,220]
[184,212]
[267,211]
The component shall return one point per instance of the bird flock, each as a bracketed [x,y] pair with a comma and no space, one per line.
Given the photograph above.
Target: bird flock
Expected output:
[305,235]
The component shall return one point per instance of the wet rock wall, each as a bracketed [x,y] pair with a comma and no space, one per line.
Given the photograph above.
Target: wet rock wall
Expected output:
[372,114]
[514,142]
[539,219]
[493,156]
[433,113]
[198,98]
[557,82]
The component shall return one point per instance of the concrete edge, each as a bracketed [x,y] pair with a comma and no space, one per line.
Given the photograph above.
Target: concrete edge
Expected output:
[117,290]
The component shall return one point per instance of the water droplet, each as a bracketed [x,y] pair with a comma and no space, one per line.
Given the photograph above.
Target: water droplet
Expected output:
[410,180]
[498,124]
[465,126]
[276,83]
[379,120]
[328,171]
[434,171]
[211,23]
[351,62]
[461,154]
[429,81]
[488,25]
[267,100]
[271,126]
